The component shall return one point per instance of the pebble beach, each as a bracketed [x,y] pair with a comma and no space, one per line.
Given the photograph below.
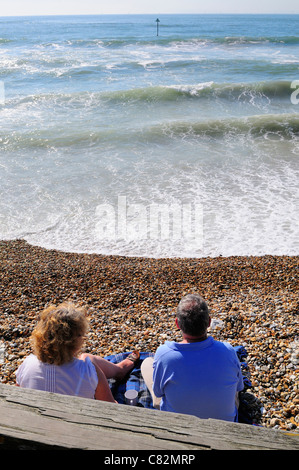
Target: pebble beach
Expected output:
[131,304]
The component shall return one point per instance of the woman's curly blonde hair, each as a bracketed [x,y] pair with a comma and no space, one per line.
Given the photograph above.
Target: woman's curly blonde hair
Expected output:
[56,337]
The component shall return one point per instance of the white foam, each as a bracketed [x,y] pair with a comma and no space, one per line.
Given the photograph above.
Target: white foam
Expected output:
[248,209]
[191,89]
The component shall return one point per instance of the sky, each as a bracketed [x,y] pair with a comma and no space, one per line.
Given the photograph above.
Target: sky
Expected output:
[89,7]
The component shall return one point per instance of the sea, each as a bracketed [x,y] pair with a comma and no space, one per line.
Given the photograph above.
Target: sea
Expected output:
[152,136]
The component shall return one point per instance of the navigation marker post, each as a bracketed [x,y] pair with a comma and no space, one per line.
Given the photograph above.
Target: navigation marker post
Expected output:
[157,21]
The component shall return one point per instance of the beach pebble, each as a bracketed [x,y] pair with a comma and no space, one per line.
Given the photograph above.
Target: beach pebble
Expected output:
[131,303]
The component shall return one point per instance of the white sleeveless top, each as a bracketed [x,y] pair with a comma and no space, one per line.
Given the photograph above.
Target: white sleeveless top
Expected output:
[77,377]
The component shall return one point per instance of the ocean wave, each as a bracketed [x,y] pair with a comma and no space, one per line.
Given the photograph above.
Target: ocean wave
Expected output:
[172,41]
[270,127]
[5,40]
[235,91]
[280,126]
[55,138]
[178,41]
[277,89]
[228,91]
[257,40]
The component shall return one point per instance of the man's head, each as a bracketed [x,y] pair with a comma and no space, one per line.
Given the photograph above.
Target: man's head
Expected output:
[193,315]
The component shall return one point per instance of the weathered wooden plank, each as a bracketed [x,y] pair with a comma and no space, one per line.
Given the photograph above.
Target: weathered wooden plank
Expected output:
[47,419]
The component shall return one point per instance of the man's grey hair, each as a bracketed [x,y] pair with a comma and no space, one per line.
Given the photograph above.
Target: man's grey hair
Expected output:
[193,315]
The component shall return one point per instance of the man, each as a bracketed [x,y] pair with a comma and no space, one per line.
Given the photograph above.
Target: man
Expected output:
[198,376]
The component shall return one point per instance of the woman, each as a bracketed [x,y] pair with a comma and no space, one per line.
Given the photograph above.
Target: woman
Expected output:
[55,365]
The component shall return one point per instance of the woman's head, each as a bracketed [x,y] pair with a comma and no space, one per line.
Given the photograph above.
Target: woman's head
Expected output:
[59,333]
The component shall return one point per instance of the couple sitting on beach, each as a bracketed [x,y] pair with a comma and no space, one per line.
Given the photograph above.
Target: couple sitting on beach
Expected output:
[198,376]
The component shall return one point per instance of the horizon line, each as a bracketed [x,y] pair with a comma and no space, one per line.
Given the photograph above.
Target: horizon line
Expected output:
[152,14]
